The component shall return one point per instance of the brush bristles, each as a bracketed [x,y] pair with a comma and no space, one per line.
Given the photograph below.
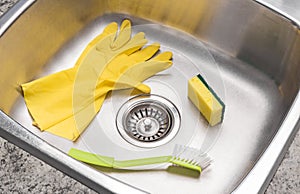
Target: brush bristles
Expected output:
[191,156]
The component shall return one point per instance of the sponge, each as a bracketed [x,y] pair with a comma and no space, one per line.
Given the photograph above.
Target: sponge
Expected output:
[206,100]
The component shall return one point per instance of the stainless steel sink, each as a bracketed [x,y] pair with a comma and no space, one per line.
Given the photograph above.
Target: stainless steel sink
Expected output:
[248,51]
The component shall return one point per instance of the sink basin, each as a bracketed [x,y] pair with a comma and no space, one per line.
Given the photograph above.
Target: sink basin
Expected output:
[246,51]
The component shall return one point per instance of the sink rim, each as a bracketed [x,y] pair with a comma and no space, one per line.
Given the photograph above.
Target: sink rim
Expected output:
[39,148]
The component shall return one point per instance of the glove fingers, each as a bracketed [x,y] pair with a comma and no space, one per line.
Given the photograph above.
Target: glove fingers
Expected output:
[111,46]
[110,29]
[122,62]
[146,53]
[143,88]
[136,43]
[107,36]
[124,35]
[107,42]
[143,71]
[165,56]
[122,82]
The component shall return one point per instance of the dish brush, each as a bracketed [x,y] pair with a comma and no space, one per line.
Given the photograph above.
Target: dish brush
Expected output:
[183,156]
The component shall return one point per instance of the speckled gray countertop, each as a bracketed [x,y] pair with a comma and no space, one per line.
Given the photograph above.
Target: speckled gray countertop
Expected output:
[21,172]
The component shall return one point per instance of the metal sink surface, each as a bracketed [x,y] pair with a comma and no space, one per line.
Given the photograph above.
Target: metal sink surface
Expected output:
[247,52]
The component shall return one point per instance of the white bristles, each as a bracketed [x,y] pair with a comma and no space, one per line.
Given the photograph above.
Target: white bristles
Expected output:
[192,156]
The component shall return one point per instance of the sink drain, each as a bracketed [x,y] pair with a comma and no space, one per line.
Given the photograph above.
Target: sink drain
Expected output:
[148,121]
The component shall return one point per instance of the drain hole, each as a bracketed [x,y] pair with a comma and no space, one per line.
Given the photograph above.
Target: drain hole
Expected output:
[147,120]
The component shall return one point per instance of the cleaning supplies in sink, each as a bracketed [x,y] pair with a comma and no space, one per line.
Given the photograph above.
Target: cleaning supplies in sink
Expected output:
[65,103]
[183,156]
[206,100]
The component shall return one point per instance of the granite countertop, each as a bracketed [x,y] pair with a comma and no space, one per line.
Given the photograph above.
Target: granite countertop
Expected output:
[21,172]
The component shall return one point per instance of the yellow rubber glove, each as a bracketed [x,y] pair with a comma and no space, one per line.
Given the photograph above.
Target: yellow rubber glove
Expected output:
[72,125]
[108,44]
[52,95]
[58,108]
[120,77]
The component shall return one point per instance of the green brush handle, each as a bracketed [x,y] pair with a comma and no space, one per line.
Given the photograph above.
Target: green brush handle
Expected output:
[141,162]
[105,161]
[91,158]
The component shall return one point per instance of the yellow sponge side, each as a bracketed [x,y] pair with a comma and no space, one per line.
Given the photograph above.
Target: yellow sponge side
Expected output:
[205,100]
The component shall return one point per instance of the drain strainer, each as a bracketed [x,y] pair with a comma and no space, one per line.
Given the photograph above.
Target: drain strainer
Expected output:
[148,120]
